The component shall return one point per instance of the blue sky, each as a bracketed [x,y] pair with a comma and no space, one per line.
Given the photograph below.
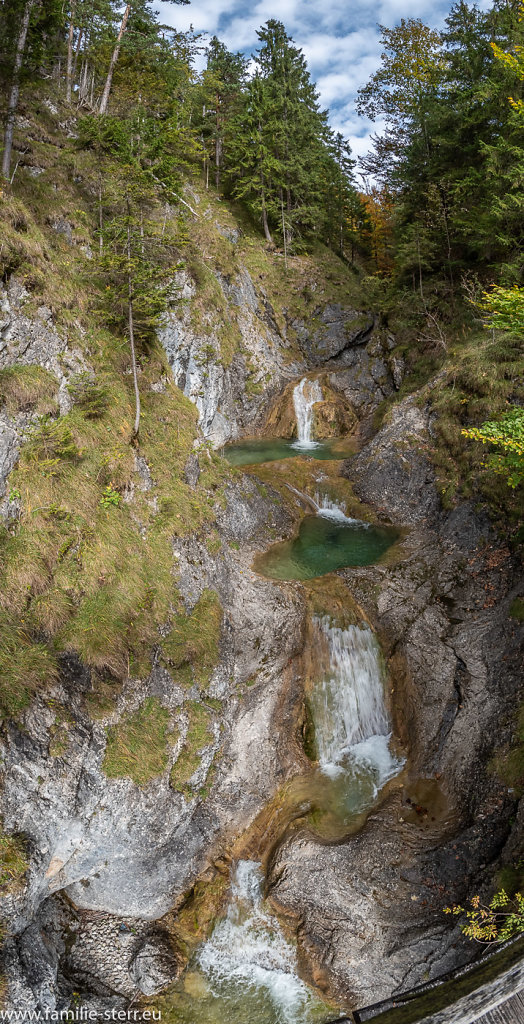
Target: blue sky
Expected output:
[340,39]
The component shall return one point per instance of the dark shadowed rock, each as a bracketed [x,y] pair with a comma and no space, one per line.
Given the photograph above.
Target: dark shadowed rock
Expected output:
[392,472]
[332,330]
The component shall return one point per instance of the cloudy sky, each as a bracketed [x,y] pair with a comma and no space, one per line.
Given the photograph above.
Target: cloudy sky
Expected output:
[340,39]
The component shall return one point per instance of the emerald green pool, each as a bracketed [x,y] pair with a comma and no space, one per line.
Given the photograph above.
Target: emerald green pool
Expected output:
[323,545]
[272,449]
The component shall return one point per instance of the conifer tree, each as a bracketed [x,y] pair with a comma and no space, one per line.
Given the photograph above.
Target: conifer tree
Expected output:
[222,84]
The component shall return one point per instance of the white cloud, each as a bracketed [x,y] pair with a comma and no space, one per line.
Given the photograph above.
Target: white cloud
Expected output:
[341,42]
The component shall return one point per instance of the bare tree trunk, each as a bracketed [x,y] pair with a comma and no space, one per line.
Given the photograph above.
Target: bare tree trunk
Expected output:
[107,87]
[100,216]
[12,105]
[132,329]
[142,249]
[69,68]
[218,144]
[82,82]
[420,270]
[77,50]
[283,228]
[218,159]
[265,224]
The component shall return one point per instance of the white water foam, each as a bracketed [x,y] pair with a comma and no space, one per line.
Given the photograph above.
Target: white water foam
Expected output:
[329,509]
[352,725]
[305,395]
[247,948]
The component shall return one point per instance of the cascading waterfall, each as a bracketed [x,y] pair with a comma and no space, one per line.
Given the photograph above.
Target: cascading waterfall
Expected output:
[304,397]
[323,506]
[330,509]
[248,950]
[352,726]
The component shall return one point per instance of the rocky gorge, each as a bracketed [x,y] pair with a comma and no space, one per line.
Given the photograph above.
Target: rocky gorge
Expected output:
[125,879]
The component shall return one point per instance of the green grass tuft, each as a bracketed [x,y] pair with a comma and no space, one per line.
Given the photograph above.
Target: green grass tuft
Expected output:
[28,389]
[137,746]
[198,736]
[25,667]
[13,862]
[194,638]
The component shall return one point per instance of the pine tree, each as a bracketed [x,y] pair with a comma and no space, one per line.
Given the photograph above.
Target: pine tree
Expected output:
[223,82]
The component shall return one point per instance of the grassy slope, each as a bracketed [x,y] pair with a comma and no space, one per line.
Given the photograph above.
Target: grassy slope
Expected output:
[88,567]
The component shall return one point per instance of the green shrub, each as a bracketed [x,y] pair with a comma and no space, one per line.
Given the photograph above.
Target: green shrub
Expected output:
[48,443]
[90,394]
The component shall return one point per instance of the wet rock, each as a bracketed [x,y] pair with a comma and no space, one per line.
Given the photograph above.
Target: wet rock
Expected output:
[154,967]
[371,908]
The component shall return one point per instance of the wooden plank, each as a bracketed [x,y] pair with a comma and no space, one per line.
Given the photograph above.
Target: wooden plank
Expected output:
[510,1012]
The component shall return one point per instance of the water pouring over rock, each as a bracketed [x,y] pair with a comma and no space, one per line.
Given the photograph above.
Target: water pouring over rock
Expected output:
[248,952]
[305,395]
[352,726]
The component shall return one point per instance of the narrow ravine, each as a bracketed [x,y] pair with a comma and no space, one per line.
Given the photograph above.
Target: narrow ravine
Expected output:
[248,968]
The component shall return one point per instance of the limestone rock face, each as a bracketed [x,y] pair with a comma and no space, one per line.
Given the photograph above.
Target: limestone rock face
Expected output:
[28,341]
[110,958]
[335,330]
[370,908]
[392,473]
[218,387]
[112,846]
[34,341]
[234,395]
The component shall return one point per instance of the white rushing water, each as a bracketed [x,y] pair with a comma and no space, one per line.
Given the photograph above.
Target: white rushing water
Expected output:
[329,509]
[304,397]
[352,725]
[248,949]
[325,507]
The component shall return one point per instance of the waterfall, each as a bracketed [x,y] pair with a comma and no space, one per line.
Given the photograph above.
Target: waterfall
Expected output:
[247,949]
[304,397]
[330,509]
[352,726]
